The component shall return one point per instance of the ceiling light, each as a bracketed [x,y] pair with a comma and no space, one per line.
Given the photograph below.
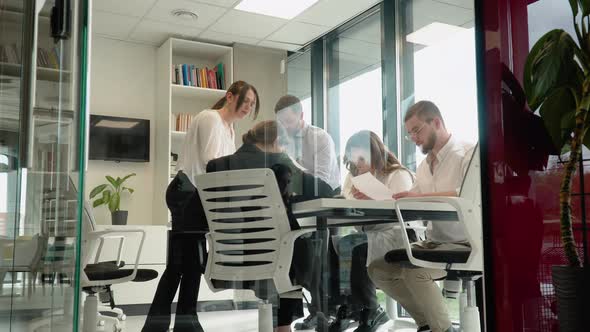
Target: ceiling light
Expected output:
[286,9]
[433,33]
[184,14]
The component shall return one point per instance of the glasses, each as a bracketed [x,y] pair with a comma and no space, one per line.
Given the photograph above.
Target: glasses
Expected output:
[411,135]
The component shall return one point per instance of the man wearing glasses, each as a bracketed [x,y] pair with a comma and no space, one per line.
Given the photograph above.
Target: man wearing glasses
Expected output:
[440,174]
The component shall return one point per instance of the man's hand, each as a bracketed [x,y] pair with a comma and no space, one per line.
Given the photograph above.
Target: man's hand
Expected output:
[405,194]
[359,195]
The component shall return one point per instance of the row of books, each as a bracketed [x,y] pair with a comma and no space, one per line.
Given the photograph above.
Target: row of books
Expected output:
[45,58]
[182,121]
[190,75]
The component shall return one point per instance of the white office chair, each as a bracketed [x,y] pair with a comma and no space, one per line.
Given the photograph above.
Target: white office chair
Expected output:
[249,237]
[96,278]
[466,264]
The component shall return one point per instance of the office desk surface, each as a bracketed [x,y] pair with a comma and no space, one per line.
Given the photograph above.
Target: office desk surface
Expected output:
[338,211]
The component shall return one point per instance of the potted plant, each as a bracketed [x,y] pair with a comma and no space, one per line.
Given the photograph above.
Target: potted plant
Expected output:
[557,80]
[111,197]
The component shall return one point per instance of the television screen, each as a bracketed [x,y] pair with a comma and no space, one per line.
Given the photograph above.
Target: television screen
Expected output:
[119,139]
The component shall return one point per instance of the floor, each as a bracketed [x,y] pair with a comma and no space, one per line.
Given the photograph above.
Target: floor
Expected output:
[245,321]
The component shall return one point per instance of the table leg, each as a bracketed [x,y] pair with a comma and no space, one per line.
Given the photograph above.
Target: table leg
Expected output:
[322,299]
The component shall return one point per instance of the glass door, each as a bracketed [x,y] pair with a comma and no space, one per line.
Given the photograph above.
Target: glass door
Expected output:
[42,111]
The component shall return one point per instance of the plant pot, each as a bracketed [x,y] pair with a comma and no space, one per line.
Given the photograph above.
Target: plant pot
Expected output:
[572,289]
[119,217]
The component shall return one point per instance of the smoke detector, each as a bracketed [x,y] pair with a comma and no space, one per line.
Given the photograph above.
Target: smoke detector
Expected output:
[184,14]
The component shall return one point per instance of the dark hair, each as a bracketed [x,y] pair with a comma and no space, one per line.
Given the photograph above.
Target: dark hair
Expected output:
[289,101]
[425,110]
[264,132]
[382,160]
[239,88]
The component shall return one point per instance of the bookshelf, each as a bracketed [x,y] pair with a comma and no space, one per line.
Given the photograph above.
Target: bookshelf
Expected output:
[43,74]
[174,99]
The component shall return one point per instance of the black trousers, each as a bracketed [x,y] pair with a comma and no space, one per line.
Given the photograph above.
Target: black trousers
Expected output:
[362,289]
[186,259]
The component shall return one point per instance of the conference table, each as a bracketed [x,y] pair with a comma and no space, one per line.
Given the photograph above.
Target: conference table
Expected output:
[324,213]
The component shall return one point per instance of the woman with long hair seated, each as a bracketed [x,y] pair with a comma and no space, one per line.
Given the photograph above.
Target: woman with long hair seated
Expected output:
[366,153]
[261,150]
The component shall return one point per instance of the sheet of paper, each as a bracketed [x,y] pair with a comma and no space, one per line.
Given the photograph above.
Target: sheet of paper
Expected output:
[370,186]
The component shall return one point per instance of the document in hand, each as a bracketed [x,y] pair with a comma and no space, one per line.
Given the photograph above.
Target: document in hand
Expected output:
[370,186]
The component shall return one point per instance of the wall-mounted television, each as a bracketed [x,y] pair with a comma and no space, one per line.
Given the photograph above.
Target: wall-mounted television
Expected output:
[119,139]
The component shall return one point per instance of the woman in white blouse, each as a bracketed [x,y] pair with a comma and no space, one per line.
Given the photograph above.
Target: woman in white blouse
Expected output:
[210,135]
[365,152]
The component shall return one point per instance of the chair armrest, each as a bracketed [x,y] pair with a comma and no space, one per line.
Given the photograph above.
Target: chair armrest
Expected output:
[93,236]
[282,279]
[463,208]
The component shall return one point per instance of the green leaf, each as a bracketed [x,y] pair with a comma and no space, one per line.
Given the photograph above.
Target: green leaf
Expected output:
[585,4]
[106,196]
[574,5]
[112,181]
[127,177]
[97,202]
[558,113]
[97,190]
[114,203]
[550,65]
[129,189]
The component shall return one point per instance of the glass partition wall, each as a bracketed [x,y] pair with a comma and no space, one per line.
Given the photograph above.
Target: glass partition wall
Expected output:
[42,93]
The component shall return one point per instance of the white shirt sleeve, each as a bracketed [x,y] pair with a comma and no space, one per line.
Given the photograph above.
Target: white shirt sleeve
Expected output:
[209,138]
[400,180]
[325,153]
[346,190]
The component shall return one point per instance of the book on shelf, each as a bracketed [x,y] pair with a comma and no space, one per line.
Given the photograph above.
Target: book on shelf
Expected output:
[46,58]
[191,75]
[182,121]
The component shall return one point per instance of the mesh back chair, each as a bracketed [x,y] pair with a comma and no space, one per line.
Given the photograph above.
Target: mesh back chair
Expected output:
[250,241]
[464,264]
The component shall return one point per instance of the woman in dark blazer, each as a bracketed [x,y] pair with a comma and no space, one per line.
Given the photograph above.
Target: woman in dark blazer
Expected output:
[261,150]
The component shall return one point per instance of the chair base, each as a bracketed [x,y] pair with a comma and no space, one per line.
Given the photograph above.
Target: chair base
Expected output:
[265,317]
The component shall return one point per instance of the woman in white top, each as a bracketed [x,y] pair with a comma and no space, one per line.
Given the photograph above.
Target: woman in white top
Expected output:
[365,152]
[210,135]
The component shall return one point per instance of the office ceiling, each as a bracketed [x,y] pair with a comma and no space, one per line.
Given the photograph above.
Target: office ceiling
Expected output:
[151,22]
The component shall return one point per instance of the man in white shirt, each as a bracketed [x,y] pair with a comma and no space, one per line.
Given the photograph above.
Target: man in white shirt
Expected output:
[440,174]
[310,146]
[313,149]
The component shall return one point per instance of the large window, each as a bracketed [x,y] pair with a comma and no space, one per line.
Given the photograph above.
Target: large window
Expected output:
[354,93]
[438,64]
[299,80]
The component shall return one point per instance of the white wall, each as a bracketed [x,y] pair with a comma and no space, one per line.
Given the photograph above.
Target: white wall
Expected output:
[123,83]
[260,67]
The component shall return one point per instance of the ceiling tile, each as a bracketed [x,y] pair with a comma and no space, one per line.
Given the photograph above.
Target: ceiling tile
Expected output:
[136,8]
[112,24]
[334,12]
[297,33]
[207,13]
[227,38]
[156,33]
[247,24]
[222,3]
[280,46]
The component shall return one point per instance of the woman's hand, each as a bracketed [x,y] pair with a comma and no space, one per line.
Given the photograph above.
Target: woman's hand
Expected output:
[358,195]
